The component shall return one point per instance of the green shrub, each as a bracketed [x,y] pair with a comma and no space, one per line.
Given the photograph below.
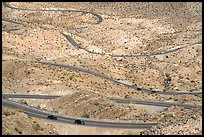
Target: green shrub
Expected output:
[18,130]
[6,113]
[36,127]
[85,116]
[71,77]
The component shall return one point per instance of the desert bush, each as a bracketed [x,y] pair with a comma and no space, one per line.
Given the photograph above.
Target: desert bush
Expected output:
[18,130]
[71,77]
[36,127]
[85,116]
[6,113]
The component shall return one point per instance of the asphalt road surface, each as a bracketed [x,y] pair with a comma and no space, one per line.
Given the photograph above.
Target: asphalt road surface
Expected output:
[117,100]
[73,42]
[118,82]
[35,112]
[155,103]
[99,17]
[29,96]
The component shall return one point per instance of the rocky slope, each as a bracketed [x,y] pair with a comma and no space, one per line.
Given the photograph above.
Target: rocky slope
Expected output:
[127,28]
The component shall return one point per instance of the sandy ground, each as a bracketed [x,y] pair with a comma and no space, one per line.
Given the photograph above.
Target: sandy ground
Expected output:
[127,28]
[16,122]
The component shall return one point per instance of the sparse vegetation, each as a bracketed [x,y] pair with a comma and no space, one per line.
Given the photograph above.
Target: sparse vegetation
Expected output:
[6,113]
[127,29]
[23,101]
[71,77]
[85,116]
[18,130]
[36,126]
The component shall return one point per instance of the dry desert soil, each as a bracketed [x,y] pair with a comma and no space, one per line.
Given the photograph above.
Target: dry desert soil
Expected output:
[127,28]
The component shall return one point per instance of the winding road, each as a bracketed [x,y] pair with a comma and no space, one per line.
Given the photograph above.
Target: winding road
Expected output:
[155,103]
[10,29]
[70,39]
[99,17]
[35,112]
[118,82]
[38,113]
[73,42]
[117,100]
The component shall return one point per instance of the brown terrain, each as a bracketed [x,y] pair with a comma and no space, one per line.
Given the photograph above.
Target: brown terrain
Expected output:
[127,28]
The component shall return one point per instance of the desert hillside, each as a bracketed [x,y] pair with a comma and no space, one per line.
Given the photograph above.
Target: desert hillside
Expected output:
[153,46]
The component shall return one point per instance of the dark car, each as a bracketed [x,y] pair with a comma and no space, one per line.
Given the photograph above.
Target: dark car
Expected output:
[78,121]
[52,117]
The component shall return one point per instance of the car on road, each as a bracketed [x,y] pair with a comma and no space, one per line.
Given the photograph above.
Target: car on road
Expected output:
[78,121]
[52,117]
